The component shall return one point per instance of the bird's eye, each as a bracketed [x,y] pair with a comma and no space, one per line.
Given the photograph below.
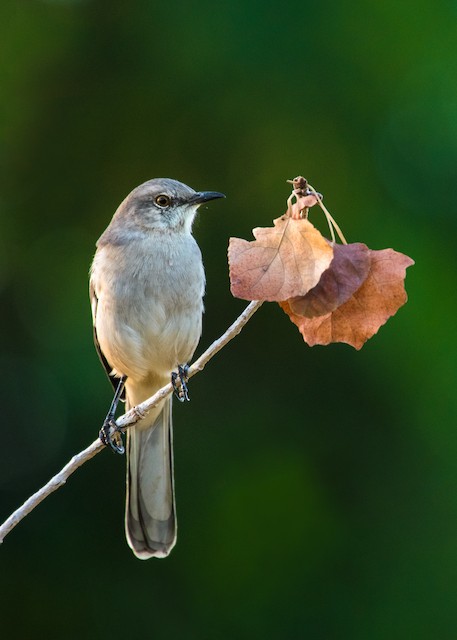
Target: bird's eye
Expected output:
[163,201]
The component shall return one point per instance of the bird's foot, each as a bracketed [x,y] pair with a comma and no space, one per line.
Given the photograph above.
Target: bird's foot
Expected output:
[114,440]
[179,381]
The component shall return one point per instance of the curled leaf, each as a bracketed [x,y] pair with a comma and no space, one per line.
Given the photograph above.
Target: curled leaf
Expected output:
[347,271]
[377,299]
[305,198]
[283,261]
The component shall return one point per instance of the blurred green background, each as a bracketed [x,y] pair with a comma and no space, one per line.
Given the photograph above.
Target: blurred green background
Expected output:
[316,488]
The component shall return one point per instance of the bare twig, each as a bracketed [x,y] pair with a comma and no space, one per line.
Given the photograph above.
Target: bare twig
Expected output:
[54,483]
[127,420]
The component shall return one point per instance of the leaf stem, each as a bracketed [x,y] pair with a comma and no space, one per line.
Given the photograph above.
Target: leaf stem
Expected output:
[331,221]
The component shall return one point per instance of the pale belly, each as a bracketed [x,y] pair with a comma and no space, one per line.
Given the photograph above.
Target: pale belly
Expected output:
[149,323]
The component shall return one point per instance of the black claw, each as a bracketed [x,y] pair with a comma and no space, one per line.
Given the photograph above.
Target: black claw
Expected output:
[179,381]
[114,441]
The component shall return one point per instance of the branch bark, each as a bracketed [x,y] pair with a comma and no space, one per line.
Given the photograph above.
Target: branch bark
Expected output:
[123,422]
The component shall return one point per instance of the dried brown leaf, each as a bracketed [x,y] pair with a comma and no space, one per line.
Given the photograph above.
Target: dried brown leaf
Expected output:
[283,261]
[349,268]
[358,319]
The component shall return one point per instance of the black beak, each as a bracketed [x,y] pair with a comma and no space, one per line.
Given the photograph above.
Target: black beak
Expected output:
[205,196]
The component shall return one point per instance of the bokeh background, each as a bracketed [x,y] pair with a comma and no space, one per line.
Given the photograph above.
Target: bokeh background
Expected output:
[316,488]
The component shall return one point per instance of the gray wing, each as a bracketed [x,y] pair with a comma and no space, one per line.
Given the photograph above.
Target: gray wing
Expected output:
[94,304]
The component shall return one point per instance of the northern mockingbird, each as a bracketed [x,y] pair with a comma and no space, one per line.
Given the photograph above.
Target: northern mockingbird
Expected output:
[146,288]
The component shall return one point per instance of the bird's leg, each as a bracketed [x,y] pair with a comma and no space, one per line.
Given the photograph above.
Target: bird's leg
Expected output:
[179,381]
[114,441]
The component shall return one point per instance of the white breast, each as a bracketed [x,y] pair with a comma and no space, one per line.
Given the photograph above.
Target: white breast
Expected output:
[149,313]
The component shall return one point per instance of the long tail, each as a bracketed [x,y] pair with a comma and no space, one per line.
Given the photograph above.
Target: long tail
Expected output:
[150,521]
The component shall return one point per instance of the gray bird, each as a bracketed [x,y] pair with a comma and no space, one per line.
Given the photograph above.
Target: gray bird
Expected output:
[146,288]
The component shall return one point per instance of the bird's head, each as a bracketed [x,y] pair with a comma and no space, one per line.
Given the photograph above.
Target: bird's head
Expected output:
[166,204]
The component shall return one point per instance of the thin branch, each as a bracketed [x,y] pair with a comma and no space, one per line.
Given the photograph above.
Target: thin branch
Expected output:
[54,483]
[127,420]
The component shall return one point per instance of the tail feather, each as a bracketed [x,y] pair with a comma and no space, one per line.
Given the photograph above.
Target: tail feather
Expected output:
[150,521]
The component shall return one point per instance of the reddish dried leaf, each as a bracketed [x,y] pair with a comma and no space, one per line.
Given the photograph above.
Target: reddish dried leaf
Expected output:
[347,271]
[379,298]
[303,202]
[284,261]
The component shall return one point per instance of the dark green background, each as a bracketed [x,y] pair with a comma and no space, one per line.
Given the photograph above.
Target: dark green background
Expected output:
[316,488]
